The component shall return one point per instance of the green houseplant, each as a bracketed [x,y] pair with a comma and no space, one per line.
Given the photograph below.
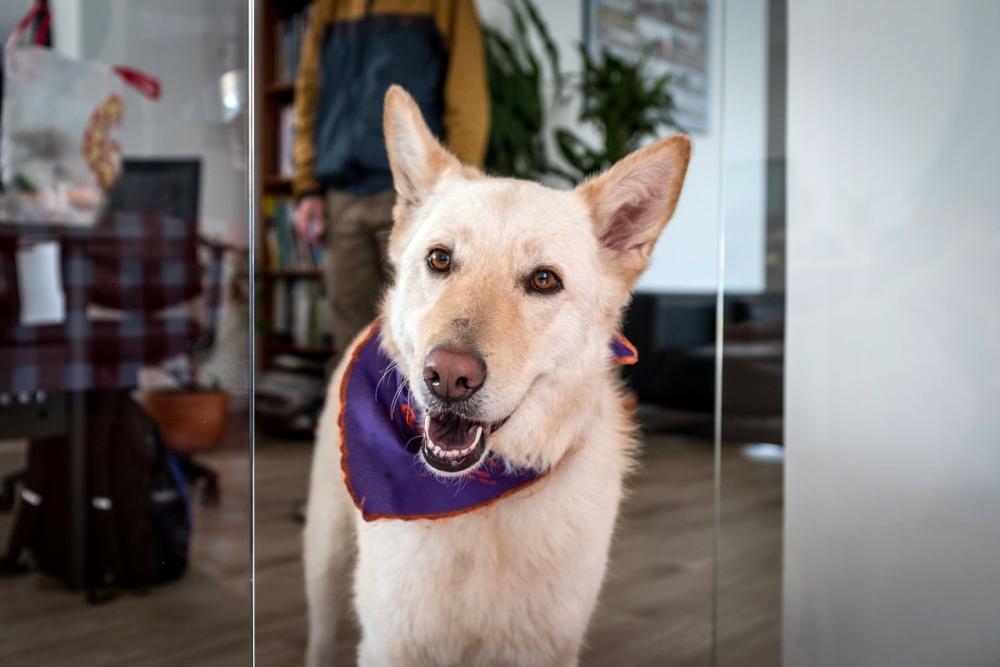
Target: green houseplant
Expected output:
[618,98]
[623,103]
[518,102]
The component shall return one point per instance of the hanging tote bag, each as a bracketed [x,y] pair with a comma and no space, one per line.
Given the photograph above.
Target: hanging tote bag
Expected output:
[60,147]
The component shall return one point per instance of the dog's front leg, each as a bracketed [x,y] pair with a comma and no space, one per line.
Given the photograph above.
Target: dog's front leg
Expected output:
[369,655]
[329,544]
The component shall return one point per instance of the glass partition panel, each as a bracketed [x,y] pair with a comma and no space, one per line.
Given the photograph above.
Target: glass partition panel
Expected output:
[124,334]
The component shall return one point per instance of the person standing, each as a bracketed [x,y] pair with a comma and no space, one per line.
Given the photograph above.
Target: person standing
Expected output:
[352,52]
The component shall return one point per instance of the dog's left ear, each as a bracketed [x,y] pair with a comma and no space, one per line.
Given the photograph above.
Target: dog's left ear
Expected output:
[632,202]
[417,159]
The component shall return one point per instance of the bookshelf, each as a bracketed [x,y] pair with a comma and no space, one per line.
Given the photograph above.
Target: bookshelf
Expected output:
[292,325]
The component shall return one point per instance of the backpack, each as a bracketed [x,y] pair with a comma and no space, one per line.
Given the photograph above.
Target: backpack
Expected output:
[138,521]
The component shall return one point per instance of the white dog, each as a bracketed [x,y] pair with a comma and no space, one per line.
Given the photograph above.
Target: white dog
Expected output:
[474,441]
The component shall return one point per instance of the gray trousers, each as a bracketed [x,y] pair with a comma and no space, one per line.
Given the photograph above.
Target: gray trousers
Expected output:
[357,266]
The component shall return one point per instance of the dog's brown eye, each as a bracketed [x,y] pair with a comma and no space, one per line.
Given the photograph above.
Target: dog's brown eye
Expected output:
[545,281]
[439,260]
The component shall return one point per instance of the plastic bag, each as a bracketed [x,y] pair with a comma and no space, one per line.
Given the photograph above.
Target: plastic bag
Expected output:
[61,123]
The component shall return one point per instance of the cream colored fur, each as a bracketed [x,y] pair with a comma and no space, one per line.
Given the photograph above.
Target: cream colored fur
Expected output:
[514,583]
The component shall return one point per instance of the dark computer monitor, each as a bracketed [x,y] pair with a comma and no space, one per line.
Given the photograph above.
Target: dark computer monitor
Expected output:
[158,185]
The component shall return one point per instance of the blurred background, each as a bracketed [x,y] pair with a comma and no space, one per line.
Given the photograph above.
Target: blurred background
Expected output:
[817,331]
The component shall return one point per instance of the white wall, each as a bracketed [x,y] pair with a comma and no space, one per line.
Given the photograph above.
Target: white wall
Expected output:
[892,524]
[686,257]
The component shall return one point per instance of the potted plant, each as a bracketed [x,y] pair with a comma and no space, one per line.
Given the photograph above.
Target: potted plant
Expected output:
[518,104]
[618,98]
[192,415]
[624,103]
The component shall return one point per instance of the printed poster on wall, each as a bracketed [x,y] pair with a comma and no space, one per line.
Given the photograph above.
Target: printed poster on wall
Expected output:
[673,32]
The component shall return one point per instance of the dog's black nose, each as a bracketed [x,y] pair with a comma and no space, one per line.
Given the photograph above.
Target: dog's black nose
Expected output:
[454,374]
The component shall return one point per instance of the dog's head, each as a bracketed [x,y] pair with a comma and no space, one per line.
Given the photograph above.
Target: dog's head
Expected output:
[506,292]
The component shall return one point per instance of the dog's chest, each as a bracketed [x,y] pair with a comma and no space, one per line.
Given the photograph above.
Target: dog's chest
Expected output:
[529,566]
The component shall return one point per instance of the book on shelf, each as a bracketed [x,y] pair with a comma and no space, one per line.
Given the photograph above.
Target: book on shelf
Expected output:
[286,249]
[279,311]
[300,314]
[286,141]
[289,33]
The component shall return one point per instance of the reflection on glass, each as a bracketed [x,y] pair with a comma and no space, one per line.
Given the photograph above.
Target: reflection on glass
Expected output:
[123,334]
[751,452]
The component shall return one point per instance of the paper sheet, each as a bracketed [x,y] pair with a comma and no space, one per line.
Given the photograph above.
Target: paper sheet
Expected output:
[40,284]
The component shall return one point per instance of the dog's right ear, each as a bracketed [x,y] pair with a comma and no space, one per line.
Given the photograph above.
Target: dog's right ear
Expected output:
[417,160]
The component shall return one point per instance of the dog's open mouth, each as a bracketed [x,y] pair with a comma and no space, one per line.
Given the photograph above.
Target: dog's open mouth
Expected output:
[453,443]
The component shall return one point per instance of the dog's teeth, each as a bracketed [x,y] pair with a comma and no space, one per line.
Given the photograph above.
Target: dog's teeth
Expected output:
[451,455]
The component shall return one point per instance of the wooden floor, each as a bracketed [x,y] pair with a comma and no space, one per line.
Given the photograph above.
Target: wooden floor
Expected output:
[655,608]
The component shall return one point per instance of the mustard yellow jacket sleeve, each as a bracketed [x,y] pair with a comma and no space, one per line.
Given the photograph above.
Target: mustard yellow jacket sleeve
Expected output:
[306,87]
[466,96]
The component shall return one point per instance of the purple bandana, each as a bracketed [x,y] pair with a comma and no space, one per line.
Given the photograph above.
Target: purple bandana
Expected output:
[380,438]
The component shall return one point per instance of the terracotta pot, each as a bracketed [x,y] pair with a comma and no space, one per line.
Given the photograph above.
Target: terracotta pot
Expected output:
[189,420]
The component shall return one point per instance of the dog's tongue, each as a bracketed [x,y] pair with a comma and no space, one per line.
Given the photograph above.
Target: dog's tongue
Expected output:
[451,432]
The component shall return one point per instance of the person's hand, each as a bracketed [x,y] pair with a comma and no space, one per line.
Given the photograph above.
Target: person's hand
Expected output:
[310,218]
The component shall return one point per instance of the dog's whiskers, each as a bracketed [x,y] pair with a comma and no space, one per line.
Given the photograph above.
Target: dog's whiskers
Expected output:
[461,483]
[395,398]
[388,369]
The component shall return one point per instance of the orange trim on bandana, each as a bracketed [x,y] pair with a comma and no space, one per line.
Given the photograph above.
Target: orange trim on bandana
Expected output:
[629,359]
